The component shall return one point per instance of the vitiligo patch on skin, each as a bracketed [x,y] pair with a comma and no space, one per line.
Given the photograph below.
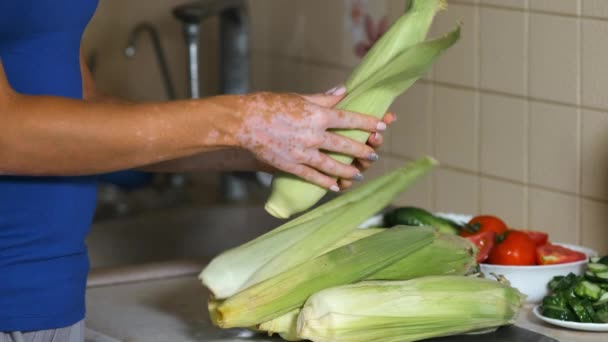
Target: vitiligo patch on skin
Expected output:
[288,132]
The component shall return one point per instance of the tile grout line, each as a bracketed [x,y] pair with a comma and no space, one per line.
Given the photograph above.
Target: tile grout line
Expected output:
[432,128]
[527,41]
[506,180]
[514,96]
[579,13]
[430,104]
[318,63]
[579,114]
[478,110]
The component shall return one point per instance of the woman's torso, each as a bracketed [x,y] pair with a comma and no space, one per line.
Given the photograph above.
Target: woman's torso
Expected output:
[43,221]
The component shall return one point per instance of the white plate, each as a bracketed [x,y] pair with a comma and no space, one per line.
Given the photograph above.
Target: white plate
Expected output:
[570,325]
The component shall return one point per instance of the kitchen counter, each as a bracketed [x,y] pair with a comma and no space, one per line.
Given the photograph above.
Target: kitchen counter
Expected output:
[174,310]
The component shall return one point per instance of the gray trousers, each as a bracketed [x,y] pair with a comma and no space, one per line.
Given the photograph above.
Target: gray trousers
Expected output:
[74,333]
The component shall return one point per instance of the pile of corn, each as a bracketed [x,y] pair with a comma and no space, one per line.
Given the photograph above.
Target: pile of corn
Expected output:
[321,278]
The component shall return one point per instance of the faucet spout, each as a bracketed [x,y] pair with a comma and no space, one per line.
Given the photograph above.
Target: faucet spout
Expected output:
[131,50]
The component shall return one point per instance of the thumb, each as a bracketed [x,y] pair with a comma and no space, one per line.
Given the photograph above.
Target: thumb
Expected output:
[330,99]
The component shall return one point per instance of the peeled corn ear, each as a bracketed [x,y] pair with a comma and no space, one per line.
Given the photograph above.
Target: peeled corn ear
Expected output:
[413,310]
[395,63]
[306,236]
[446,255]
[287,291]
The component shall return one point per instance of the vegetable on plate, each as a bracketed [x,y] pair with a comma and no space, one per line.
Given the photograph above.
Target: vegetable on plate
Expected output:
[575,298]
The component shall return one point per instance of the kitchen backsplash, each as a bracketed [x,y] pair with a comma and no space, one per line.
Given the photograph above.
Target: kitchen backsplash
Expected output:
[517,112]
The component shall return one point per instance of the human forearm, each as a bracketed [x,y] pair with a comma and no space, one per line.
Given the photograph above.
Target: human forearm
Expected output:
[58,136]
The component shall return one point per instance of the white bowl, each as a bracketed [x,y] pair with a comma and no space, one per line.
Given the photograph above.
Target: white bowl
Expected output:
[533,280]
[530,280]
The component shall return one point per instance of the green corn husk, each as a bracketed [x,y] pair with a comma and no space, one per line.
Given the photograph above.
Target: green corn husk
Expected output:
[289,290]
[413,310]
[285,326]
[393,65]
[303,238]
[447,255]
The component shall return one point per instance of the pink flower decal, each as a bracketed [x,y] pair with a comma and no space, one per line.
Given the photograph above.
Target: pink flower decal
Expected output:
[373,32]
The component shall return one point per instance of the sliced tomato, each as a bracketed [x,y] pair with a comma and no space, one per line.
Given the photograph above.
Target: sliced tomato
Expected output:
[539,238]
[484,223]
[515,249]
[484,242]
[553,254]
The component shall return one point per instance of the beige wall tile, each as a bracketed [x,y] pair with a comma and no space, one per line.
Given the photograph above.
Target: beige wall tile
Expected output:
[595,154]
[419,195]
[594,229]
[323,77]
[456,133]
[455,192]
[317,29]
[554,150]
[459,65]
[377,169]
[595,54]
[287,25]
[554,57]
[287,75]
[260,71]
[410,135]
[557,6]
[595,8]
[396,8]
[503,56]
[504,140]
[505,200]
[554,213]
[505,3]
[259,11]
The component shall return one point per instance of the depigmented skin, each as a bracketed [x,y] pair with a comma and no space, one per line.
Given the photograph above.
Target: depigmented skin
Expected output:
[46,135]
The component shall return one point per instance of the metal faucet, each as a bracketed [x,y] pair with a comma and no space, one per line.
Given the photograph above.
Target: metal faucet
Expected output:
[131,50]
[234,62]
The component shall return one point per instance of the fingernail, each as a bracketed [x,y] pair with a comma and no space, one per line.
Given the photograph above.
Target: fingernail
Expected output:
[394,118]
[373,157]
[339,91]
[381,126]
[335,188]
[358,177]
[377,136]
[331,91]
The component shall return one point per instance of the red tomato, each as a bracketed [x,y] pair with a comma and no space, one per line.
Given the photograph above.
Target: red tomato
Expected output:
[552,254]
[485,223]
[516,249]
[539,238]
[484,242]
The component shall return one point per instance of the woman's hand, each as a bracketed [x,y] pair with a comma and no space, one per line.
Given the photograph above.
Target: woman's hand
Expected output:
[290,132]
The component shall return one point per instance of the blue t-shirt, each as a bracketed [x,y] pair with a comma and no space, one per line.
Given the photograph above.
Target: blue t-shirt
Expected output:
[44,220]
